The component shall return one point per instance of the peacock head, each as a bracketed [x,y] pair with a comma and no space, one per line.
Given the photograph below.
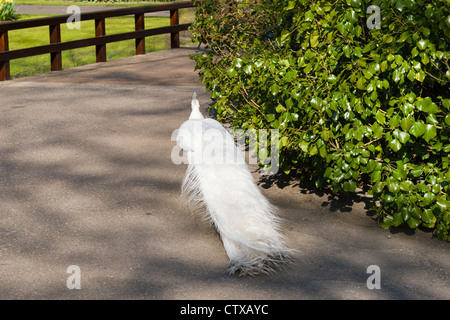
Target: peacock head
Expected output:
[195,113]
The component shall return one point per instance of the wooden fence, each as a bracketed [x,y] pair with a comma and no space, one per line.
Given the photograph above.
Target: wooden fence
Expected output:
[55,47]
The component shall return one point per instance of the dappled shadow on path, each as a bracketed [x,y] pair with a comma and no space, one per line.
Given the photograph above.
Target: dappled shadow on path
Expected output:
[87,179]
[334,202]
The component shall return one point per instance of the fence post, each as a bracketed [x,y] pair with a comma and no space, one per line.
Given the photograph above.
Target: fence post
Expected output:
[139,24]
[175,36]
[101,48]
[4,65]
[55,57]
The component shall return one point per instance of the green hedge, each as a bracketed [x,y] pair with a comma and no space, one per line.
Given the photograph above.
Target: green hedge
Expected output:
[356,106]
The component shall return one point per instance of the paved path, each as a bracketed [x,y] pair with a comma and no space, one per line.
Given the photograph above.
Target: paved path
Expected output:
[86,179]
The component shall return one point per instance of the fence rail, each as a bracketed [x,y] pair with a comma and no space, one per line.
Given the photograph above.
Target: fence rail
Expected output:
[55,47]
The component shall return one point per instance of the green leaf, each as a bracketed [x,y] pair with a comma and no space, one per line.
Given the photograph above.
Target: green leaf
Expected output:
[270,117]
[411,75]
[404,36]
[428,216]
[289,103]
[375,176]
[396,75]
[387,222]
[425,31]
[398,59]
[443,204]
[349,186]
[308,68]
[387,38]
[394,121]
[341,29]
[347,51]
[283,142]
[332,78]
[323,151]
[237,63]
[416,172]
[360,84]
[231,72]
[427,105]
[326,135]
[352,16]
[420,76]
[274,89]
[406,123]
[395,145]
[370,46]
[304,146]
[355,3]
[393,186]
[416,212]
[377,130]
[284,36]
[405,213]
[398,219]
[406,185]
[447,119]
[328,172]
[413,223]
[280,108]
[430,132]
[446,103]
[380,117]
[290,6]
[422,44]
[314,40]
[431,119]
[320,11]
[309,16]
[428,198]
[378,187]
[399,5]
[407,109]
[403,136]
[417,129]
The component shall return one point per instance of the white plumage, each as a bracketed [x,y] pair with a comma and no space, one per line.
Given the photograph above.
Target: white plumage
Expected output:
[219,182]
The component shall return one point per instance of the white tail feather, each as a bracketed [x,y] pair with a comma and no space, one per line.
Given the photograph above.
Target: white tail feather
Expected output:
[248,224]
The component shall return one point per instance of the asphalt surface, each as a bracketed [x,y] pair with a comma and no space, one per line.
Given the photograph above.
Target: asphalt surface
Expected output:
[86,179]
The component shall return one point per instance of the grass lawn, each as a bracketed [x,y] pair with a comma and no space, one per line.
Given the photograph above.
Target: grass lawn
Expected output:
[32,37]
[40,35]
[80,3]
